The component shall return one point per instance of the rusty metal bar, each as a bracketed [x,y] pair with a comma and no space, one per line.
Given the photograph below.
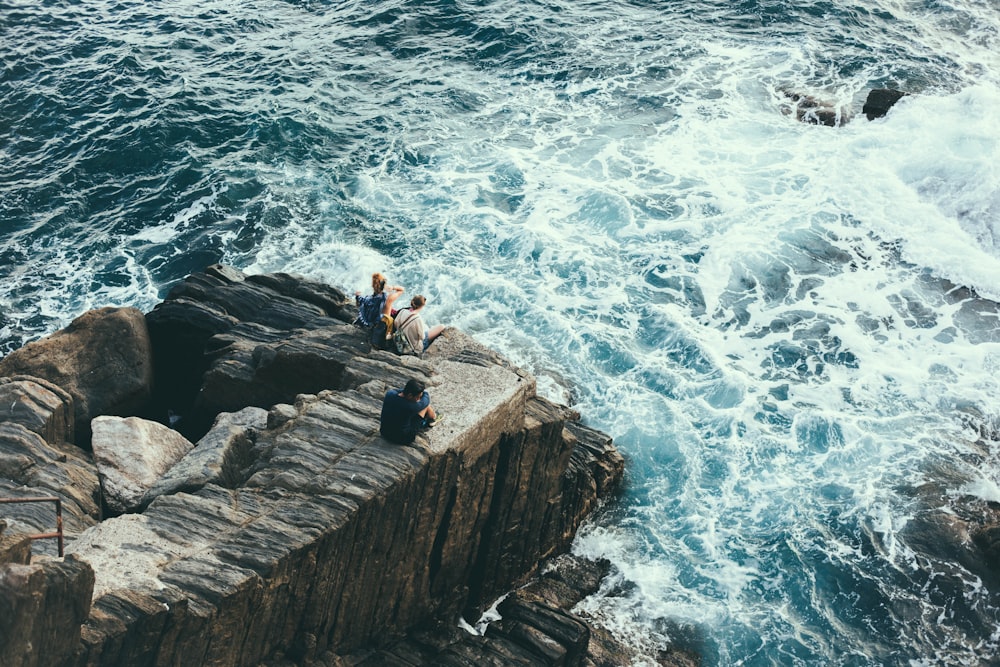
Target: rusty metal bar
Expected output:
[59,524]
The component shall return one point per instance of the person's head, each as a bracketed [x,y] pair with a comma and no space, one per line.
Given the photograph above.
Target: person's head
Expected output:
[378,283]
[417,302]
[414,389]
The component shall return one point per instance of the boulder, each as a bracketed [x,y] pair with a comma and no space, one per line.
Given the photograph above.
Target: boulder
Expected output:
[189,333]
[39,406]
[257,366]
[131,454]
[103,359]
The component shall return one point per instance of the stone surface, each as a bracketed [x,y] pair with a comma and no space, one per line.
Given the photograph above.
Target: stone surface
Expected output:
[533,626]
[218,458]
[131,454]
[351,539]
[103,359]
[31,468]
[293,531]
[42,607]
[39,406]
[15,549]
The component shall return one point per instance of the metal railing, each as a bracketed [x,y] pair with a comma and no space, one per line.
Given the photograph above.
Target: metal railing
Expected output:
[59,524]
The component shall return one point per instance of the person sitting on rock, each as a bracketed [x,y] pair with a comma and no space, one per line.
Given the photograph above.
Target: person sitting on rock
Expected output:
[411,324]
[405,411]
[371,308]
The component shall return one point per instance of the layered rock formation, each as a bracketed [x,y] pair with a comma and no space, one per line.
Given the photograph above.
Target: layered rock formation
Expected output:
[292,531]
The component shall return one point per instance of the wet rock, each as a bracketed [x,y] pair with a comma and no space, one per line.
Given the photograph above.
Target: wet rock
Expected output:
[131,454]
[986,539]
[103,359]
[813,110]
[879,101]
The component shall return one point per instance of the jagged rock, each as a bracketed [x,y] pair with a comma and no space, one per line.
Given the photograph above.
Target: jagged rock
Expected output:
[41,609]
[39,406]
[534,626]
[332,540]
[354,538]
[879,101]
[131,454]
[251,373]
[332,301]
[218,458]
[211,304]
[102,359]
[31,468]
[14,549]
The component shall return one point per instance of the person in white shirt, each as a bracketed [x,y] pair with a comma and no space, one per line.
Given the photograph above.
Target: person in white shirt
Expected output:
[412,325]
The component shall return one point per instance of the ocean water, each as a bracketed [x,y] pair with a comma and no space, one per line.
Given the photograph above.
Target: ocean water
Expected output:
[790,330]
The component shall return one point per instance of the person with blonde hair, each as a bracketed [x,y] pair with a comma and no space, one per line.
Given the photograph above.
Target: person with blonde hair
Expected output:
[372,307]
[375,310]
[411,324]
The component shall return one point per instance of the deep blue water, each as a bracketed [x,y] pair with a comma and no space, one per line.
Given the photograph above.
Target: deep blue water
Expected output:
[772,319]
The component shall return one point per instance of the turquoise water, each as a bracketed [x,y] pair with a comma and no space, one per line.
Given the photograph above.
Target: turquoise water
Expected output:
[772,319]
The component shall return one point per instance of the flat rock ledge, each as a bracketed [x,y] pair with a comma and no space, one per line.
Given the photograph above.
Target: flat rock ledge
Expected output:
[291,533]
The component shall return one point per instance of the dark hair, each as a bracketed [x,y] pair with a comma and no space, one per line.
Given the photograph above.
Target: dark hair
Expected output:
[417,301]
[413,387]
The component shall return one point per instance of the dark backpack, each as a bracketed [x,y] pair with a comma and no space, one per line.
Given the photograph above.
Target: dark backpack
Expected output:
[381,333]
[369,309]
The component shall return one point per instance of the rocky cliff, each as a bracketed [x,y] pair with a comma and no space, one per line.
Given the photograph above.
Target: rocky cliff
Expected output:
[281,527]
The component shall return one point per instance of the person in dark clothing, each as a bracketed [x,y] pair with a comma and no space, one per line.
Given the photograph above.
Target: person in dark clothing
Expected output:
[405,411]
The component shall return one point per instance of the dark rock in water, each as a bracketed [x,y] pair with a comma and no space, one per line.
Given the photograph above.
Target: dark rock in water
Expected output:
[103,359]
[304,534]
[879,101]
[986,538]
[814,111]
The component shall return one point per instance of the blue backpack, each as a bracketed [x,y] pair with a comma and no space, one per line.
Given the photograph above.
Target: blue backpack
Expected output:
[369,309]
